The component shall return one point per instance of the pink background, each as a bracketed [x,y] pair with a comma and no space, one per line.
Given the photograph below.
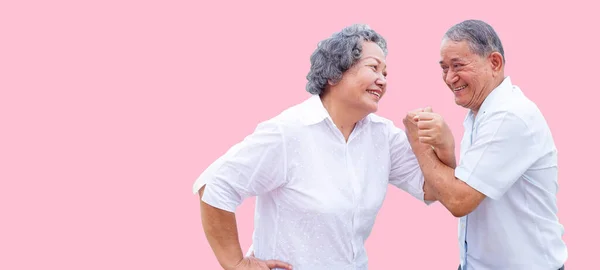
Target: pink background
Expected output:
[109,110]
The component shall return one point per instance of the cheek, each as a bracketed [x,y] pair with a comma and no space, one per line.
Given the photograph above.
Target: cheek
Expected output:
[369,76]
[466,77]
[471,74]
[360,85]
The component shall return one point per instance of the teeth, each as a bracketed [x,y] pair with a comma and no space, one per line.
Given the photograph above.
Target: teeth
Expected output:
[460,88]
[374,93]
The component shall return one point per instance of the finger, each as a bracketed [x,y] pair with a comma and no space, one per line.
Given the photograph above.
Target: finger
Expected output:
[426,124]
[427,109]
[409,119]
[426,140]
[416,110]
[277,264]
[408,122]
[425,133]
[426,116]
[412,113]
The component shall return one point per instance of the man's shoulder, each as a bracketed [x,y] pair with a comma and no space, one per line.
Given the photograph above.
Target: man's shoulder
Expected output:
[518,105]
[517,110]
[528,111]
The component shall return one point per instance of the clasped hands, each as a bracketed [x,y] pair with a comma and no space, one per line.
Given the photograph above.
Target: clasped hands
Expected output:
[423,126]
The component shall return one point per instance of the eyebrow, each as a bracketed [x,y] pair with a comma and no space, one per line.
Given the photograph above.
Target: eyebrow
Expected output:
[376,59]
[455,59]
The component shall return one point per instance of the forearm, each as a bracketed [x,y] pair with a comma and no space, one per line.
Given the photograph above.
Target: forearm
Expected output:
[221,232]
[428,192]
[446,155]
[442,184]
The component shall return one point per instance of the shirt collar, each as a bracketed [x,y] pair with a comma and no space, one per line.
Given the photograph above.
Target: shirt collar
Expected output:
[314,112]
[496,94]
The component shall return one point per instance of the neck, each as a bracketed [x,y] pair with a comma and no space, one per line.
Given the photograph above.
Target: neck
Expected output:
[344,117]
[493,85]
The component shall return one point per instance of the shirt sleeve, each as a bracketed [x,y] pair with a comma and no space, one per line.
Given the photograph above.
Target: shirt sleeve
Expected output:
[252,167]
[502,150]
[405,172]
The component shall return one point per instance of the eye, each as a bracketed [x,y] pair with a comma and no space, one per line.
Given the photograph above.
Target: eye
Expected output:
[445,69]
[373,67]
[457,65]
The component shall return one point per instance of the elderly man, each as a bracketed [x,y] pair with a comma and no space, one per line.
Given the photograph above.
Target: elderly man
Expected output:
[504,188]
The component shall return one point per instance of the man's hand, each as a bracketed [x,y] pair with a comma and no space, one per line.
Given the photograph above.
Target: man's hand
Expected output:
[252,263]
[426,128]
[433,130]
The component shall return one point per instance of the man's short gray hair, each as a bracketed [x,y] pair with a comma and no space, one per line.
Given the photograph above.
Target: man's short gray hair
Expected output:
[336,54]
[480,36]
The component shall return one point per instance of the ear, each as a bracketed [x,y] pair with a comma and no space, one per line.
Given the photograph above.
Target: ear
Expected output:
[332,83]
[497,62]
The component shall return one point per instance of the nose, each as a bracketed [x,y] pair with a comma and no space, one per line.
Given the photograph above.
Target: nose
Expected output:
[451,77]
[381,81]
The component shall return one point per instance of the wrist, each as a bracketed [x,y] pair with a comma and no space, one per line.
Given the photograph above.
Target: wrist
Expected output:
[444,147]
[230,258]
[421,148]
[232,264]
[446,155]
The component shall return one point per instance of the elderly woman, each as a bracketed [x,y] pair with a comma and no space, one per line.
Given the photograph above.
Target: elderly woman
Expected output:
[320,169]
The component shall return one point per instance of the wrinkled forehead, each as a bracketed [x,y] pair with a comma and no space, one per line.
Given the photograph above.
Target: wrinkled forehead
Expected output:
[371,49]
[451,50]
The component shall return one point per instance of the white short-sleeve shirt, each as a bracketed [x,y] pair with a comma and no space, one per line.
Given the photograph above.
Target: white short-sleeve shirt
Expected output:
[317,195]
[508,154]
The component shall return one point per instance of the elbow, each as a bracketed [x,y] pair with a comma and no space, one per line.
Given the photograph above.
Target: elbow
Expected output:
[458,213]
[429,197]
[459,208]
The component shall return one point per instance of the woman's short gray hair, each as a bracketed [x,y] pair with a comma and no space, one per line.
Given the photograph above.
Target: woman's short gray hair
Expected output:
[336,54]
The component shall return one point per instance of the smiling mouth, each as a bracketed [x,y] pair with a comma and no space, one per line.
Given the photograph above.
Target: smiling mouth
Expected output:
[375,93]
[459,88]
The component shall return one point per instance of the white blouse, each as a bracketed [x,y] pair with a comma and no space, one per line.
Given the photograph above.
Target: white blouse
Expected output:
[317,196]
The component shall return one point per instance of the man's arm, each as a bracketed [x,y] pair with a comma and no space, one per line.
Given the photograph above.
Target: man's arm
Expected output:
[446,155]
[491,165]
[458,197]
[444,148]
[434,131]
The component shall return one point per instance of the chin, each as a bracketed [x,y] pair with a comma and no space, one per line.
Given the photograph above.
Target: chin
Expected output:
[371,108]
[368,105]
